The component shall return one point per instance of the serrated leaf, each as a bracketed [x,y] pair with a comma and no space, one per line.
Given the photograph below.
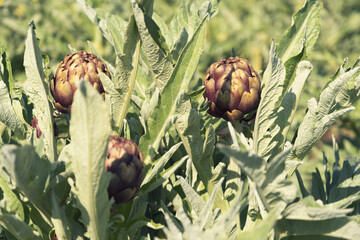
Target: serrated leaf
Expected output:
[341,228]
[207,151]
[119,91]
[115,26]
[112,98]
[126,70]
[272,89]
[291,99]
[175,87]
[195,200]
[172,231]
[310,210]
[263,229]
[59,218]
[7,113]
[304,191]
[6,71]
[180,44]
[272,188]
[149,105]
[37,90]
[188,127]
[198,10]
[163,28]
[306,25]
[317,187]
[196,7]
[329,94]
[10,202]
[164,176]
[253,165]
[349,93]
[28,172]
[160,63]
[18,228]
[206,212]
[138,208]
[308,217]
[160,164]
[279,100]
[280,95]
[90,130]
[320,116]
[112,27]
[179,22]
[226,220]
[345,185]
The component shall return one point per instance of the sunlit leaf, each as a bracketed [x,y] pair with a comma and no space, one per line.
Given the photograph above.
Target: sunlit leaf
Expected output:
[7,113]
[152,40]
[37,90]
[90,130]
[18,228]
[28,172]
[176,86]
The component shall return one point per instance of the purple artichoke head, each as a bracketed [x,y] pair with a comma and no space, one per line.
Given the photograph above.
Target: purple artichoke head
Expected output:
[125,163]
[75,66]
[232,87]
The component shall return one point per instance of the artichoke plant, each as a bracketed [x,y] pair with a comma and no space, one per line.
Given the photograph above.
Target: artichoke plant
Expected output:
[232,87]
[125,163]
[75,66]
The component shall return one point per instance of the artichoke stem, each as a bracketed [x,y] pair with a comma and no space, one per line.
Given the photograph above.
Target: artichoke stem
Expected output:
[238,126]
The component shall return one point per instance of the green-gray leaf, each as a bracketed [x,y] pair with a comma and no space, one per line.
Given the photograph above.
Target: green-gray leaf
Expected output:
[37,90]
[321,115]
[176,86]
[6,71]
[10,201]
[112,27]
[306,26]
[90,130]
[7,113]
[159,60]
[28,172]
[18,228]
[126,70]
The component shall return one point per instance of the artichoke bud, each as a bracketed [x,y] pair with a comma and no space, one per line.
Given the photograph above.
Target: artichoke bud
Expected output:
[232,88]
[125,163]
[75,66]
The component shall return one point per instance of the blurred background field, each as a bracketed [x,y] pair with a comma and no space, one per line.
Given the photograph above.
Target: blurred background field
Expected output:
[247,26]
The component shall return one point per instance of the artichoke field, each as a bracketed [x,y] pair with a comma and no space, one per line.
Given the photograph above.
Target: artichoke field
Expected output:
[136,146]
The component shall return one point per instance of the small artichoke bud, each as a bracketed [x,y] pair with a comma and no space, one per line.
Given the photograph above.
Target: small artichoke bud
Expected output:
[74,67]
[34,124]
[232,87]
[125,163]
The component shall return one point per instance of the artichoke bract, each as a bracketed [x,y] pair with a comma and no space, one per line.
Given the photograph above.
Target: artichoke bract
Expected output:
[232,87]
[74,67]
[125,163]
